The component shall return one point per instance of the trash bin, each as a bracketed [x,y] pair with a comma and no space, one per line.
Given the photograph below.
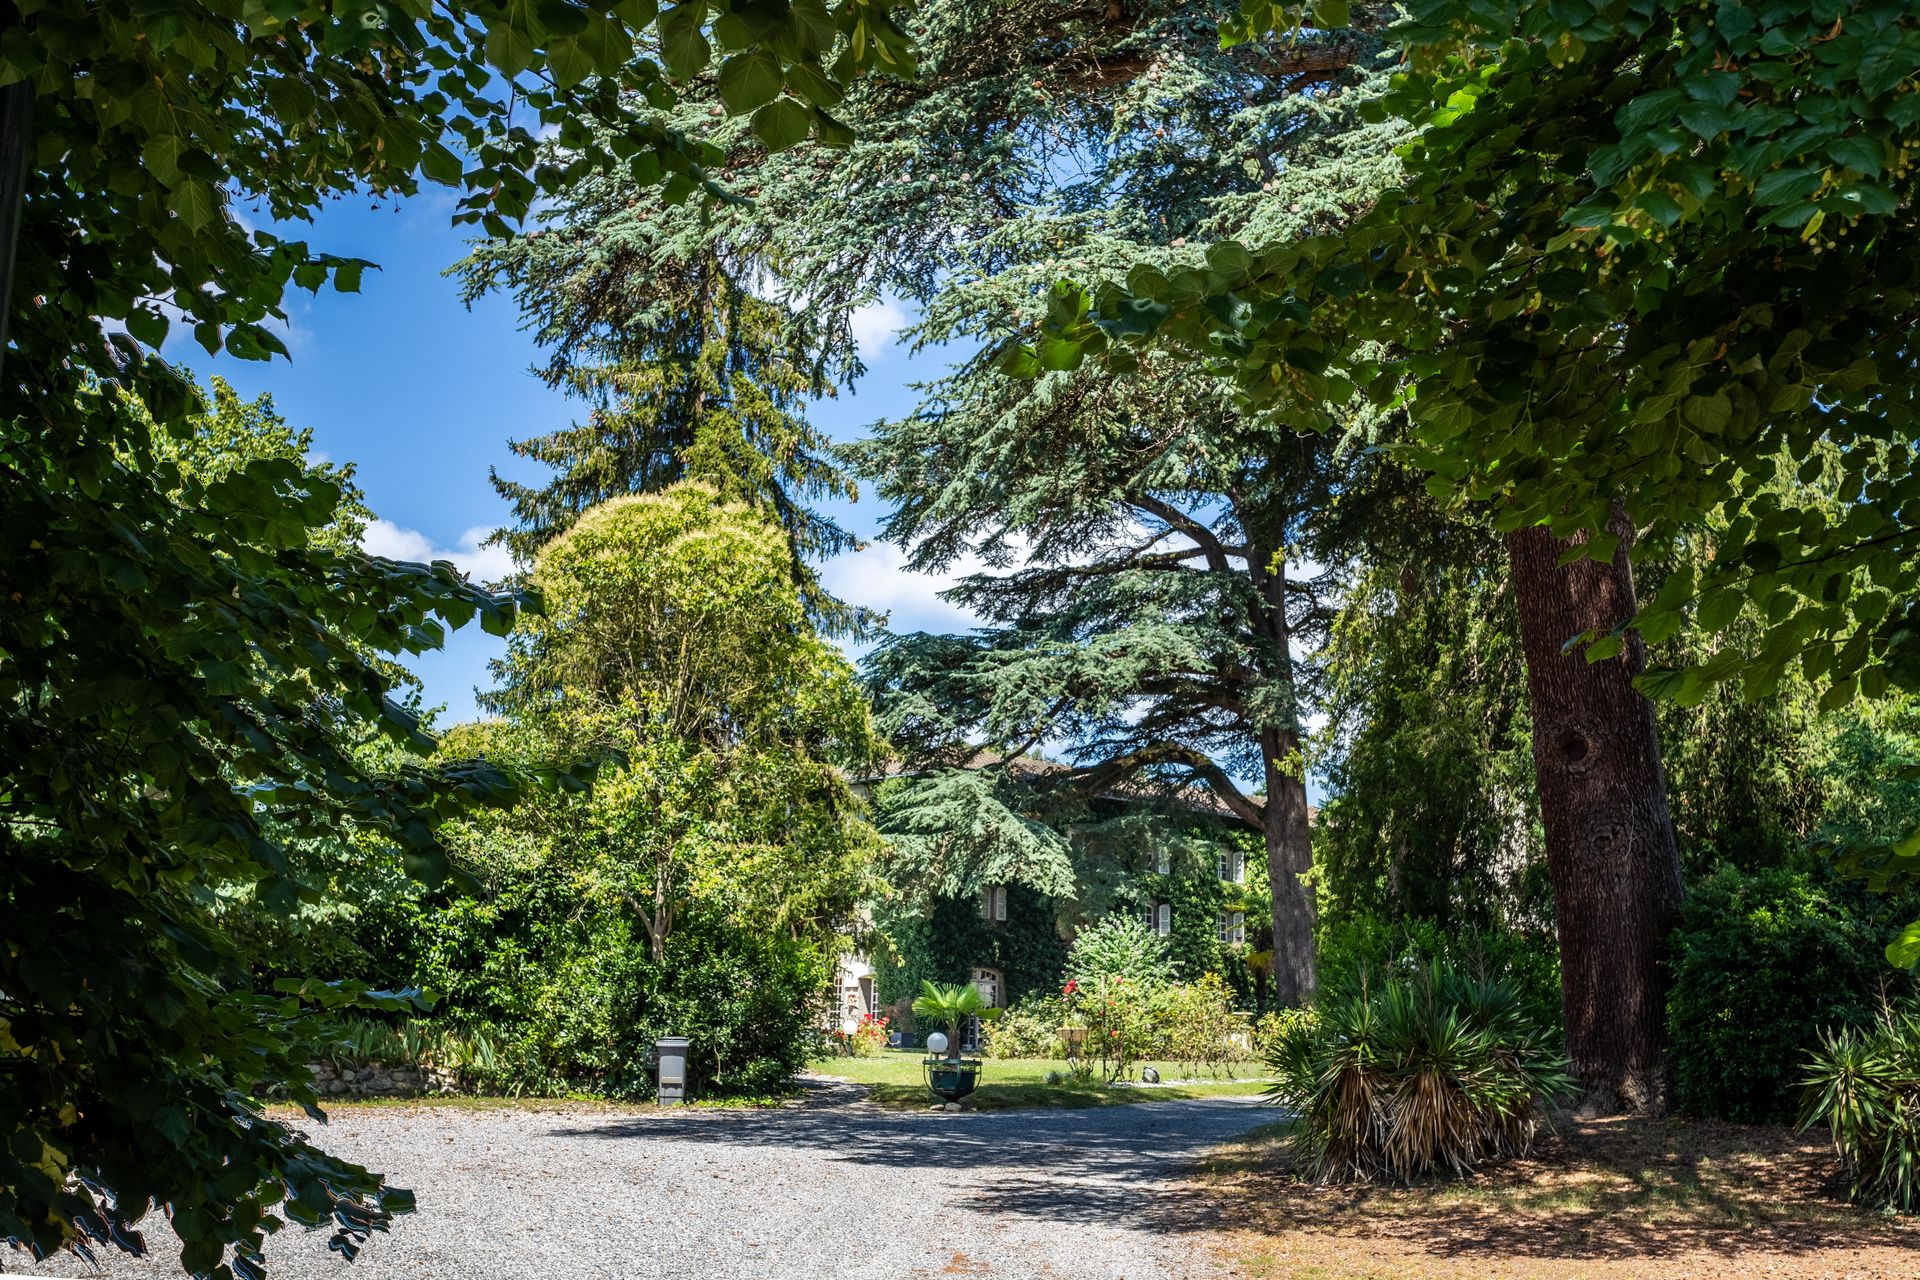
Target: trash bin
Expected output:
[672,1053]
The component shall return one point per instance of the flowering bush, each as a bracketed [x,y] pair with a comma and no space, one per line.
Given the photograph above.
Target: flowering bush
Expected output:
[1113,1026]
[868,1038]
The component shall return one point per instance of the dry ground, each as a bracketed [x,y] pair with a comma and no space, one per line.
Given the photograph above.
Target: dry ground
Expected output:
[1601,1200]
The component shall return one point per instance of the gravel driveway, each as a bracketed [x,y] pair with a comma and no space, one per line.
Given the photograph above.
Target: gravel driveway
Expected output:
[833,1188]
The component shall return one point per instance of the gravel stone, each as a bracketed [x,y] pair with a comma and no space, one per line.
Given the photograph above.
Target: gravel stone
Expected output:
[831,1189]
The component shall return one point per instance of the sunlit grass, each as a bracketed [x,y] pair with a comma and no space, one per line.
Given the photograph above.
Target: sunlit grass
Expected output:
[895,1080]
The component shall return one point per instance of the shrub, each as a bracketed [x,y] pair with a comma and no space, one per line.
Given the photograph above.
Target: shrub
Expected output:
[1113,1019]
[1865,1087]
[1119,947]
[1352,946]
[868,1039]
[1029,1029]
[1416,1073]
[1269,1027]
[1195,1025]
[1761,964]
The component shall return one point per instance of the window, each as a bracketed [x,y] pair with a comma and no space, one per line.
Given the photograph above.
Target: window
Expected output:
[1233,927]
[993,902]
[1232,866]
[1163,919]
[1162,863]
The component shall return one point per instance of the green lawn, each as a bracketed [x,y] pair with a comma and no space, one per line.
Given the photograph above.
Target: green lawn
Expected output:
[895,1080]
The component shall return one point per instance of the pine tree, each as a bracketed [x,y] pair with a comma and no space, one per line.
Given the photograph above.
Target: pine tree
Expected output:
[1158,563]
[686,374]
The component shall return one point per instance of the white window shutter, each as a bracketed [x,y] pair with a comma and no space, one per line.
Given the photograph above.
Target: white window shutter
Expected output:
[1166,919]
[1162,863]
[999,902]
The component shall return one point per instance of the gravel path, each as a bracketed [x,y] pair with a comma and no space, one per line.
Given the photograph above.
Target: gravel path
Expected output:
[833,1189]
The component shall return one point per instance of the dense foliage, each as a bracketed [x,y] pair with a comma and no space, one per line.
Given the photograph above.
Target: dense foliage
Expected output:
[1119,947]
[188,676]
[1610,282]
[1764,965]
[705,885]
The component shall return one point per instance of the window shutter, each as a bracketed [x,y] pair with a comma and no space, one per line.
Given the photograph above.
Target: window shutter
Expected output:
[1166,919]
[999,902]
[1162,863]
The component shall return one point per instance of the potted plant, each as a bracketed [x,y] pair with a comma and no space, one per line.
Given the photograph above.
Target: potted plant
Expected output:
[952,1078]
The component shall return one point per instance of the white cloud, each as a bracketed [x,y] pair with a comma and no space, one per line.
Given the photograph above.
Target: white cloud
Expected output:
[876,327]
[397,542]
[878,578]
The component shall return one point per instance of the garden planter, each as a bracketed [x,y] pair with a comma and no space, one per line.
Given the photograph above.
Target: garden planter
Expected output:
[951,1079]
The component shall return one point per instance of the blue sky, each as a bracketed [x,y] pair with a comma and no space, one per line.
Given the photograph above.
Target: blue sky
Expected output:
[421,394]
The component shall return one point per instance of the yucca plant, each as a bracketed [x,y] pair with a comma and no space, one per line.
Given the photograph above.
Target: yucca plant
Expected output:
[1414,1074]
[951,1007]
[1865,1087]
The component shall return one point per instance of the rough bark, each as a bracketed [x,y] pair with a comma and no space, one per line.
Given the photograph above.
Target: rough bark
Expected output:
[1289,858]
[16,148]
[1603,800]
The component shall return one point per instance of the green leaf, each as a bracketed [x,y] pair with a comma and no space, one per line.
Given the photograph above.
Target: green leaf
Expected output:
[1904,951]
[683,47]
[1718,608]
[346,276]
[510,49]
[1707,414]
[569,62]
[1859,153]
[749,80]
[807,82]
[1705,119]
[1059,354]
[1605,647]
[782,123]
[148,325]
[1332,15]
[440,164]
[194,202]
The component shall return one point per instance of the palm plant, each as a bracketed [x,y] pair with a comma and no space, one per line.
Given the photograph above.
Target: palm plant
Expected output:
[951,1007]
[1421,1073]
[1865,1086]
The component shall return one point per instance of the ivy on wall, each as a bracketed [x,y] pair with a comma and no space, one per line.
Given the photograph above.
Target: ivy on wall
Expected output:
[947,941]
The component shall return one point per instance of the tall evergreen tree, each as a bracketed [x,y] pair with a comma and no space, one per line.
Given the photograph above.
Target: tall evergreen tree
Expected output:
[685,373]
[1157,562]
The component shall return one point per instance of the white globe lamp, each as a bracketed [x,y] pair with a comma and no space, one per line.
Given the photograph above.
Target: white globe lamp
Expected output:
[937,1042]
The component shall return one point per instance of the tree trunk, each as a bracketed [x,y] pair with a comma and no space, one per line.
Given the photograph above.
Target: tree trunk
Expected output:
[16,148]
[1289,857]
[1603,799]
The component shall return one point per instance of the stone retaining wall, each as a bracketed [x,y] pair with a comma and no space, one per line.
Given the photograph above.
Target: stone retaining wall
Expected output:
[378,1081]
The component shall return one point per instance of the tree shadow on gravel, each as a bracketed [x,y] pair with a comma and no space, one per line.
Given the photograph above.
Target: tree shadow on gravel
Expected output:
[1115,1166]
[1615,1191]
